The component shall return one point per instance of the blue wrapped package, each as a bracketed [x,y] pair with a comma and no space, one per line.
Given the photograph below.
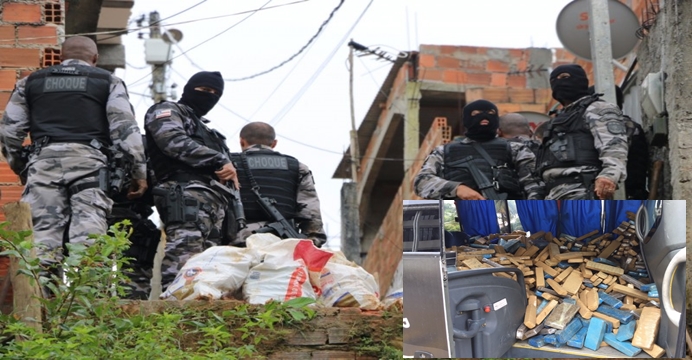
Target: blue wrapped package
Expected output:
[542,305]
[623,347]
[609,300]
[577,341]
[595,334]
[623,316]
[563,265]
[569,331]
[648,287]
[605,261]
[626,331]
[537,341]
[552,339]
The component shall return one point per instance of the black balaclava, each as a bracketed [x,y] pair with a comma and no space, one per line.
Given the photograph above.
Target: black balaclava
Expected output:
[474,129]
[569,89]
[201,102]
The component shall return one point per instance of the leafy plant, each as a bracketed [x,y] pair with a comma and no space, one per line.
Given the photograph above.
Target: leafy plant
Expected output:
[84,317]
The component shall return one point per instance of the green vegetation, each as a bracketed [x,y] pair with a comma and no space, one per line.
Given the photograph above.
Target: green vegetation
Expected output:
[450,214]
[85,319]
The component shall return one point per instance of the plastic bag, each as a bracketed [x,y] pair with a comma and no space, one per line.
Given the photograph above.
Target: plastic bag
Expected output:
[345,284]
[394,299]
[286,270]
[211,274]
[561,315]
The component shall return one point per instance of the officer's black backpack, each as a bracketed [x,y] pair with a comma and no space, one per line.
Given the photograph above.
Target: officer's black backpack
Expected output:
[145,234]
[638,161]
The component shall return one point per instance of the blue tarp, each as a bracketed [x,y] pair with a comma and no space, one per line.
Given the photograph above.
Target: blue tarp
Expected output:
[478,217]
[578,217]
[538,215]
[616,212]
[571,217]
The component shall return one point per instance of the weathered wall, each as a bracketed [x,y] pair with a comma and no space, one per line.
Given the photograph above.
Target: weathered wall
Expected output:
[668,47]
[29,33]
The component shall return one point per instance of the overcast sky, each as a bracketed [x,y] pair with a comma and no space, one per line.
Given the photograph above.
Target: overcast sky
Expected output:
[307,100]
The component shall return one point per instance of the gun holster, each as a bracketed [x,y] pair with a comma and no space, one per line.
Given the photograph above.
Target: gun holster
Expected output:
[178,208]
[563,148]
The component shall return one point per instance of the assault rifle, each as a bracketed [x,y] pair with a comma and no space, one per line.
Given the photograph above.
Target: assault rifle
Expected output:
[280,226]
[487,188]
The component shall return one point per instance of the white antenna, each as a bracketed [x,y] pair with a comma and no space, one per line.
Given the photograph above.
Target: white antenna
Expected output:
[416,28]
[408,31]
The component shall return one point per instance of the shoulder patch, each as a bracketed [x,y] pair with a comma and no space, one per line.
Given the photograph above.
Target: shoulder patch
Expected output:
[616,127]
[162,113]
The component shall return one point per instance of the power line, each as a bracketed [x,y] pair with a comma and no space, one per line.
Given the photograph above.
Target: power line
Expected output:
[276,88]
[159,21]
[127,31]
[287,138]
[299,51]
[302,91]
[209,39]
[178,13]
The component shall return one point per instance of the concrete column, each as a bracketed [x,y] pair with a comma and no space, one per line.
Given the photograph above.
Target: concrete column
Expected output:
[411,129]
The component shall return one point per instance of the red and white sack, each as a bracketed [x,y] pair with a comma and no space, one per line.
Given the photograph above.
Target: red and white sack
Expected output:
[209,275]
[345,284]
[284,273]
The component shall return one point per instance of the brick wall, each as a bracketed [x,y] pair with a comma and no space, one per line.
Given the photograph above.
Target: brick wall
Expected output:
[29,33]
[386,250]
[470,66]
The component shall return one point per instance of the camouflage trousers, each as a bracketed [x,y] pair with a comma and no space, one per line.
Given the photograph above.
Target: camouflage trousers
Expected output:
[56,201]
[570,192]
[185,239]
[140,282]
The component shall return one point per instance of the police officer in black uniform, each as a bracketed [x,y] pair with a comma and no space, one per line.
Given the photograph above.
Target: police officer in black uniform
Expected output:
[279,177]
[584,151]
[638,161]
[480,165]
[72,111]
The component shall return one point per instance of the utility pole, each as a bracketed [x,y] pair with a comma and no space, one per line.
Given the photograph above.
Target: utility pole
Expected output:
[350,214]
[158,85]
[602,60]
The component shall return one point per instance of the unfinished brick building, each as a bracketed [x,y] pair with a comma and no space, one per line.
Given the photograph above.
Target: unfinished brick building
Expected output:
[419,104]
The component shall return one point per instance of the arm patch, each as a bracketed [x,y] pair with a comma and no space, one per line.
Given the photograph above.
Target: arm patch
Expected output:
[616,127]
[162,113]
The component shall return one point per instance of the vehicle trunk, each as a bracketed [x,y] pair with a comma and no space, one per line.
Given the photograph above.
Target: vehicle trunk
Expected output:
[483,311]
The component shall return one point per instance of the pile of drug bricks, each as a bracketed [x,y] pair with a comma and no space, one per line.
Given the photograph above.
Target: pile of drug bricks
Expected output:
[590,291]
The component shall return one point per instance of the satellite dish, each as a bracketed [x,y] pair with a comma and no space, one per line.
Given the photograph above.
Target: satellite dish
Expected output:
[534,118]
[573,28]
[174,34]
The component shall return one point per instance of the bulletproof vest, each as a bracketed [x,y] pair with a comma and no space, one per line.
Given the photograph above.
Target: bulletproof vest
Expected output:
[637,161]
[502,171]
[568,141]
[278,178]
[533,145]
[67,103]
[165,166]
